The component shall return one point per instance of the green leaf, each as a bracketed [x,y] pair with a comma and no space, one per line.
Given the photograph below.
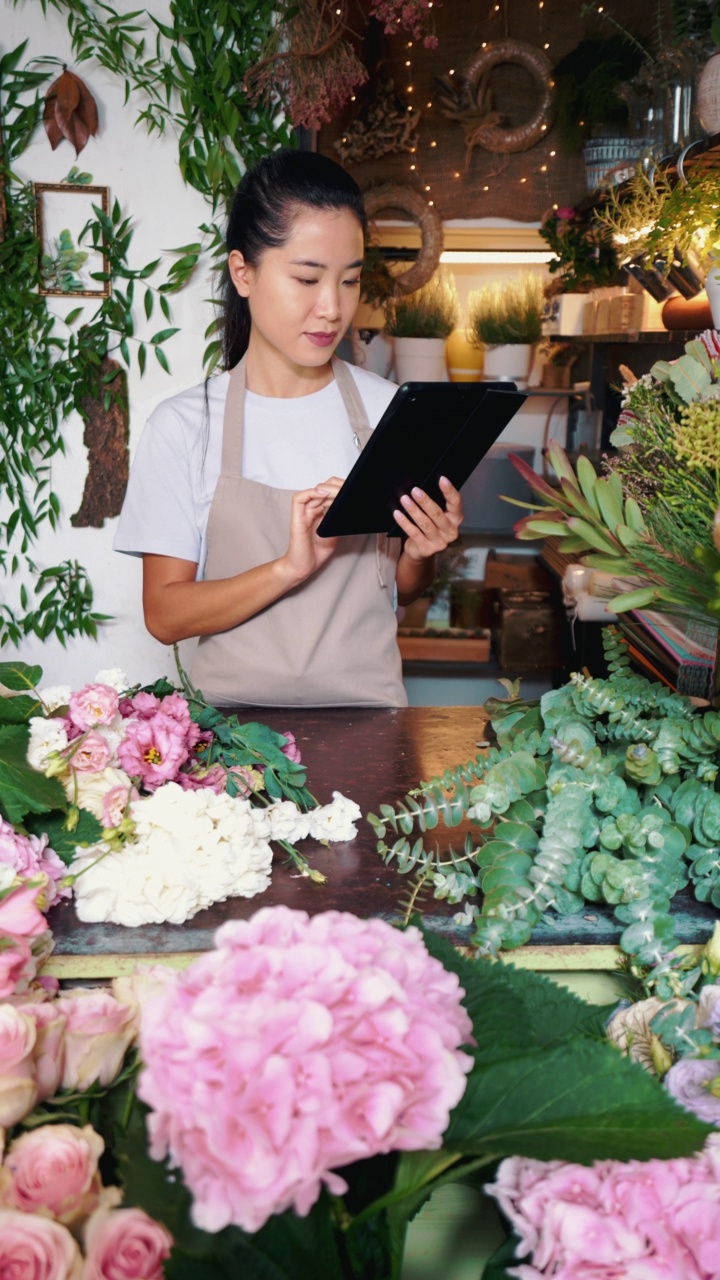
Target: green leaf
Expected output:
[87,831]
[22,789]
[18,676]
[546,1083]
[19,709]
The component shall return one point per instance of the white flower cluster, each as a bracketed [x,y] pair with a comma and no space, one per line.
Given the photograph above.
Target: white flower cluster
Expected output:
[189,849]
[329,822]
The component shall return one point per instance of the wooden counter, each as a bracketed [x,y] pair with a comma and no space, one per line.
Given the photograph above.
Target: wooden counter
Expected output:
[373,756]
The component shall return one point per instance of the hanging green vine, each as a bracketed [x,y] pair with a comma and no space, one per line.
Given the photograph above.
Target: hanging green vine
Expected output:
[189,74]
[603,792]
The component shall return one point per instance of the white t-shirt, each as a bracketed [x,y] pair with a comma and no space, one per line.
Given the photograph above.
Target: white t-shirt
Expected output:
[287,443]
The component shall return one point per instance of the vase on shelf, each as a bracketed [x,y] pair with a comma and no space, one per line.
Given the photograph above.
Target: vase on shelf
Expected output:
[420,360]
[465,359]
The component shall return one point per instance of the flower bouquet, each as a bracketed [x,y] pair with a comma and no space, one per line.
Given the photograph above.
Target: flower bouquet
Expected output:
[148,803]
[285,1106]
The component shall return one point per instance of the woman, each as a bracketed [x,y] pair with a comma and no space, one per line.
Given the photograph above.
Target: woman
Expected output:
[226,490]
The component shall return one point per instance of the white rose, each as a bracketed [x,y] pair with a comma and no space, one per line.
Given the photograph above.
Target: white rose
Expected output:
[46,738]
[56,695]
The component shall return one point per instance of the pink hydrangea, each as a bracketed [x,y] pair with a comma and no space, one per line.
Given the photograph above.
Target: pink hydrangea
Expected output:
[92,705]
[298,1045]
[658,1220]
[30,856]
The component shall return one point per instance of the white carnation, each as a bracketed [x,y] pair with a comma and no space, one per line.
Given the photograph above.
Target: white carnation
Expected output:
[190,849]
[335,821]
[287,822]
[56,695]
[46,738]
[114,677]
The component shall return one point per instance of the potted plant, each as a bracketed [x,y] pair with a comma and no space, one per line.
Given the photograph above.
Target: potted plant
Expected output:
[559,360]
[506,316]
[420,322]
[371,348]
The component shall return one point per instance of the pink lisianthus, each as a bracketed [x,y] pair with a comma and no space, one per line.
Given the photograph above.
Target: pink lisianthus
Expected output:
[154,750]
[142,705]
[92,705]
[299,1045]
[197,778]
[36,1248]
[98,1033]
[565,213]
[30,856]
[658,1220]
[125,1244]
[92,755]
[53,1170]
[292,751]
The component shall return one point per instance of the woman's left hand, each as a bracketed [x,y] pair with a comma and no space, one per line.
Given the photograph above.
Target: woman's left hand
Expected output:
[429,529]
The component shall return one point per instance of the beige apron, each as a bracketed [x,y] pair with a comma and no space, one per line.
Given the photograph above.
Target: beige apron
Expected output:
[331,641]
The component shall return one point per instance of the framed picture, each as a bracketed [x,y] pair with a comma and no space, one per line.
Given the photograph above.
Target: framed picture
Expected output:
[67,263]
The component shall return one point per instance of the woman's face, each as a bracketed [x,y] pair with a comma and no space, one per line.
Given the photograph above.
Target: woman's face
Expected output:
[303,296]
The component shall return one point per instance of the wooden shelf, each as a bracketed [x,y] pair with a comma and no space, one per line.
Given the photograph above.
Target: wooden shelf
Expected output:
[449,645]
[662,337]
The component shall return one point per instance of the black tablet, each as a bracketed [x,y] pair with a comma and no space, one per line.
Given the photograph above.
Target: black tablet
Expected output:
[429,429]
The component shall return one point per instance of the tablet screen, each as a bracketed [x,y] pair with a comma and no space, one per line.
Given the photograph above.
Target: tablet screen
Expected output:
[428,430]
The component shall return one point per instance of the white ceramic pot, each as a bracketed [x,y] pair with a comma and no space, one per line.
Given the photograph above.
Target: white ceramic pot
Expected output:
[708,95]
[372,349]
[420,360]
[712,288]
[510,363]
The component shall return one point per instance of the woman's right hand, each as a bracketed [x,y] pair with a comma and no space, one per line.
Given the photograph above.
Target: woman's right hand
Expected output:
[307,552]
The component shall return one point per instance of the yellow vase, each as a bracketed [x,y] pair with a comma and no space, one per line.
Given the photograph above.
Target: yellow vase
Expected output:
[464,361]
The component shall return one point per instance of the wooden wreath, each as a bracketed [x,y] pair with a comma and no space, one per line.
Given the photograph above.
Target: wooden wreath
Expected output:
[410,201]
[469,99]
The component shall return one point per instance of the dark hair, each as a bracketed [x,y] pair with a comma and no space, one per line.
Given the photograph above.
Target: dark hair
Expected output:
[262,214]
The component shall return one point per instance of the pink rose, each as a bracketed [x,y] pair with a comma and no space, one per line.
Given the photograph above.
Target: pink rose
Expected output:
[93,704]
[19,913]
[92,755]
[53,1170]
[49,1050]
[153,750]
[18,1090]
[125,1244]
[136,990]
[98,1033]
[36,1248]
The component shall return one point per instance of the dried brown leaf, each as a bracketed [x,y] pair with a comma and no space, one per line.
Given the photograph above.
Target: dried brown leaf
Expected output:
[70,111]
[52,128]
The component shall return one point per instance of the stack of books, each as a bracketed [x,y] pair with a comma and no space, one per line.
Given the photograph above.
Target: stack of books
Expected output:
[680,654]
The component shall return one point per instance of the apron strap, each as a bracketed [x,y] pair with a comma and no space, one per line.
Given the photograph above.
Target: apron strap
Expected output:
[234,423]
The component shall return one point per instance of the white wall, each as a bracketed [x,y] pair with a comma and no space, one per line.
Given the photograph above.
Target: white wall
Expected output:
[142,173]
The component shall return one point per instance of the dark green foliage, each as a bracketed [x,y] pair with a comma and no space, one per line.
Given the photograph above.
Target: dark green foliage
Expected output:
[587,81]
